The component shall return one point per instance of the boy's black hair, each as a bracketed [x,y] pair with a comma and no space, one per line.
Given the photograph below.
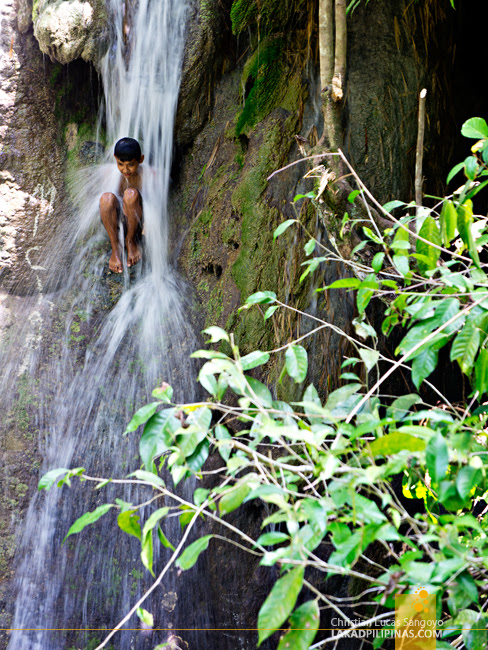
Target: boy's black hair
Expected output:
[127,149]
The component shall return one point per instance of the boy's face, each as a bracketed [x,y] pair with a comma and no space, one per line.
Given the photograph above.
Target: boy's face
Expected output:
[128,168]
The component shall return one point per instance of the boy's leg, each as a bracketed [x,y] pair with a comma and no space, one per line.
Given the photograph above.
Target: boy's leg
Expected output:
[109,214]
[132,206]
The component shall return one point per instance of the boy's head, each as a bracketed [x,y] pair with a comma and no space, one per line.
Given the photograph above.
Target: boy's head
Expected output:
[128,155]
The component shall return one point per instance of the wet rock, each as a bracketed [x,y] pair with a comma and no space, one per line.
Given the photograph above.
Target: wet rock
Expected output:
[91,152]
[24,15]
[203,65]
[70,29]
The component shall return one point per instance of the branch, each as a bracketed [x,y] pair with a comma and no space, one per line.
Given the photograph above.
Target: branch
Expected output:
[326,43]
[420,150]
[338,80]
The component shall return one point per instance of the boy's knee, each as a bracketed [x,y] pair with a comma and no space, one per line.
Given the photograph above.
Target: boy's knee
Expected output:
[132,197]
[108,201]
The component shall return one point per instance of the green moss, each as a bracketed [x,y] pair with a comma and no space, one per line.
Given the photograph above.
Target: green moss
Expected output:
[215,306]
[264,70]
[269,14]
[258,263]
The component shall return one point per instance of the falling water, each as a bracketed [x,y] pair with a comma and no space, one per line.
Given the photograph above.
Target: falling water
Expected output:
[88,369]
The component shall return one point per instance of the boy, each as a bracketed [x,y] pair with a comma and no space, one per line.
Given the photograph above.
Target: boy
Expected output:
[128,157]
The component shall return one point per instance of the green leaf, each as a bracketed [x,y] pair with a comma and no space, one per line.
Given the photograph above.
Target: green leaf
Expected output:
[345,283]
[309,246]
[423,365]
[216,334]
[270,539]
[279,603]
[261,297]
[233,498]
[448,221]
[401,264]
[147,553]
[296,362]
[370,357]
[191,553]
[371,235]
[400,407]
[430,232]
[308,195]
[88,518]
[141,416]
[352,195]
[468,477]
[49,479]
[304,623]
[481,372]
[377,262]
[391,205]
[128,521]
[465,220]
[164,394]
[395,442]
[282,227]
[437,457]
[149,477]
[157,437]
[475,127]
[153,520]
[254,359]
[455,170]
[261,391]
[465,346]
[145,617]
[270,311]
[164,540]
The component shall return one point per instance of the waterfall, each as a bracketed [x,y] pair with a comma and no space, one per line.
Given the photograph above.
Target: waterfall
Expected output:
[90,370]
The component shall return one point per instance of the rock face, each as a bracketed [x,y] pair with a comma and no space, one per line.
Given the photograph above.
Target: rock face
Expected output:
[70,29]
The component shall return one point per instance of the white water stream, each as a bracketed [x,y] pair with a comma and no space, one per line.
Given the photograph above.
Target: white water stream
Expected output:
[88,389]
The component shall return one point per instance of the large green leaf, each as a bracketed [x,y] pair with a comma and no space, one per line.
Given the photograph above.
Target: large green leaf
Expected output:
[465,346]
[149,477]
[304,623]
[423,365]
[190,555]
[254,359]
[147,553]
[394,442]
[296,362]
[437,457]
[280,603]
[141,416]
[466,480]
[481,372]
[157,436]
[128,521]
[448,221]
[282,227]
[261,391]
[49,479]
[430,232]
[153,520]
[88,518]
[233,498]
[475,127]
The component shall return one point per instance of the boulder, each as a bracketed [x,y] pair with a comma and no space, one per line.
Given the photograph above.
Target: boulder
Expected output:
[70,29]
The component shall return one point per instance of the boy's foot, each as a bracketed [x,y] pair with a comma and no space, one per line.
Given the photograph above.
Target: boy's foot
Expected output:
[133,253]
[114,263]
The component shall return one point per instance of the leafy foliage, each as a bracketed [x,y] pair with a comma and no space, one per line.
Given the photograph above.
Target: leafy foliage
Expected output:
[326,471]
